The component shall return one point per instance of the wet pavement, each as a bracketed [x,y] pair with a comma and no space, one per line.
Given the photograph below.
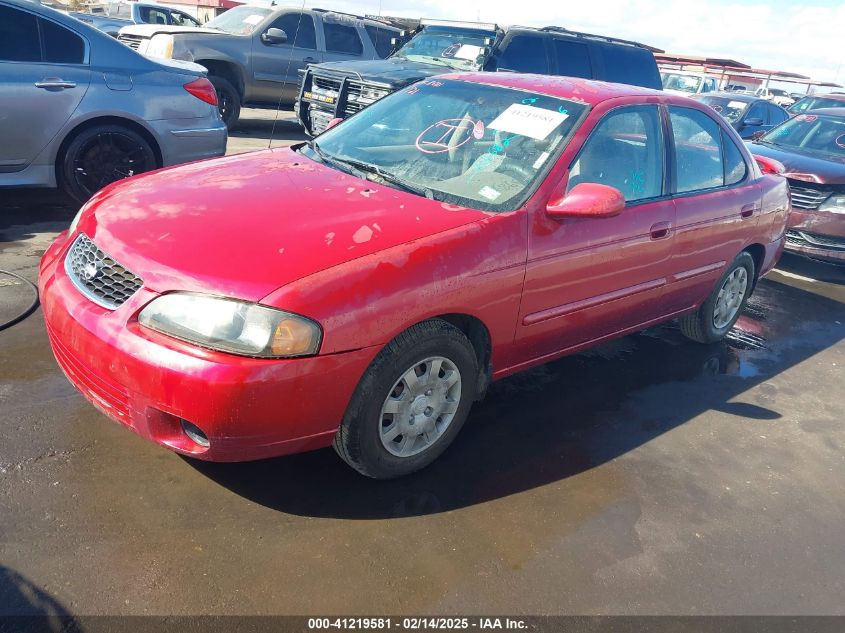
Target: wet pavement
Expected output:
[648,476]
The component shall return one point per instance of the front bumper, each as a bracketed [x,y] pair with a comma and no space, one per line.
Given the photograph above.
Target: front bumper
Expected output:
[248,408]
[817,234]
[184,141]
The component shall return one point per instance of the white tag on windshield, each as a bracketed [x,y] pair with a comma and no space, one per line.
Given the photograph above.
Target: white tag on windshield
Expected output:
[527,120]
[468,51]
[253,19]
[737,105]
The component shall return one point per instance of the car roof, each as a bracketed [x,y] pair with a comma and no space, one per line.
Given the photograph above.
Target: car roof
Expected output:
[733,96]
[584,90]
[829,111]
[833,96]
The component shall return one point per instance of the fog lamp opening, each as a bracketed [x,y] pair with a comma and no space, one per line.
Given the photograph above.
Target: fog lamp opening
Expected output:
[195,433]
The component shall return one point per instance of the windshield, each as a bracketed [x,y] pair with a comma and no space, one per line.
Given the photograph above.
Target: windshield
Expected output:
[483,147]
[461,49]
[810,132]
[684,83]
[730,109]
[813,103]
[239,21]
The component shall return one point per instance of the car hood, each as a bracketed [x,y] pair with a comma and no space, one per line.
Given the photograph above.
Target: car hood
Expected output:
[243,226]
[148,30]
[802,165]
[391,70]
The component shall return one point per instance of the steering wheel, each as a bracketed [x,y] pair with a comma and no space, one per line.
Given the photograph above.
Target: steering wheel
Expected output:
[523,173]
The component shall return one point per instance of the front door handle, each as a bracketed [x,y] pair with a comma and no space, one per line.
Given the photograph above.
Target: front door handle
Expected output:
[660,230]
[54,83]
[748,210]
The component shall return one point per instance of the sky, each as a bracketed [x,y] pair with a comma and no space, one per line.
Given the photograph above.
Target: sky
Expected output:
[805,38]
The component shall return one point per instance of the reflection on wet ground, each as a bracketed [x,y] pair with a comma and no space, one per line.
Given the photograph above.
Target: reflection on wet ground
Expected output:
[566,417]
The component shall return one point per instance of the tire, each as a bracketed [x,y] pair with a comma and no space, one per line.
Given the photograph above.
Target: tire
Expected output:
[707,326]
[228,100]
[364,438]
[101,155]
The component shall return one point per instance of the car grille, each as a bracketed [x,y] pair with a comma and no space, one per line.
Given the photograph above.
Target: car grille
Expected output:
[802,238]
[807,198]
[320,119]
[98,276]
[326,83]
[132,41]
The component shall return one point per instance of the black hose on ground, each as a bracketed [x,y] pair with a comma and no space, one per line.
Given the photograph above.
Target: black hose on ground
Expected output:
[31,307]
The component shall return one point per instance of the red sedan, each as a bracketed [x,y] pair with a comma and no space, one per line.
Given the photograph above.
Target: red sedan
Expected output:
[363,289]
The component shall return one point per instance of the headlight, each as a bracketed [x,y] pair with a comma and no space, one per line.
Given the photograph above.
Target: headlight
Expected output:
[161,46]
[228,325]
[834,204]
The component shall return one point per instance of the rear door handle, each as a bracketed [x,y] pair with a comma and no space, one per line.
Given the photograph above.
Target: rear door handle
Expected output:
[748,210]
[660,230]
[54,83]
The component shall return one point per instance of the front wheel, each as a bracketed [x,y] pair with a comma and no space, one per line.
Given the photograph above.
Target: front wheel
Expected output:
[410,403]
[720,311]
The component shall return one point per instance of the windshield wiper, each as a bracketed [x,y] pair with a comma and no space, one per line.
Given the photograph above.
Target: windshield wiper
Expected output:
[340,163]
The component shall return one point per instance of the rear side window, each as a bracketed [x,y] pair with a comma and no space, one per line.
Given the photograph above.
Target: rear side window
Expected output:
[61,45]
[299,27]
[342,39]
[18,36]
[573,59]
[698,150]
[380,39]
[524,54]
[624,151]
[630,65]
[735,168]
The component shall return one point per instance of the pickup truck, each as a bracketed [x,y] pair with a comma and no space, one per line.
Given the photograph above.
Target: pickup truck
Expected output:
[116,15]
[254,53]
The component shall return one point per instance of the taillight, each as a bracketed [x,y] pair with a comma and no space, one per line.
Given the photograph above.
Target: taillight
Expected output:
[769,165]
[203,90]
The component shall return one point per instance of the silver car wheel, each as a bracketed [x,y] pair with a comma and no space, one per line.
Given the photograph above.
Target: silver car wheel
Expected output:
[730,298]
[420,406]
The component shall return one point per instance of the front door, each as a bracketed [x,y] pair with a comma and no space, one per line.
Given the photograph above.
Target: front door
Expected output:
[276,67]
[40,85]
[588,278]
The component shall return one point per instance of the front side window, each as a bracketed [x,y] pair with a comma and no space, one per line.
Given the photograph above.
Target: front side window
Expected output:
[18,36]
[735,168]
[381,39]
[814,133]
[698,150]
[776,115]
[758,111]
[341,38]
[153,16]
[524,54]
[624,151]
[299,27]
[483,147]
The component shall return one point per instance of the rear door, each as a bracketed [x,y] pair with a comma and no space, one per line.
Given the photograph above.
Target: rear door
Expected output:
[276,67]
[43,76]
[718,202]
[587,278]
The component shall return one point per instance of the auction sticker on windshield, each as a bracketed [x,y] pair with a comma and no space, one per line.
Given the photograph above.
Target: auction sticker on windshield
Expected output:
[529,121]
[253,19]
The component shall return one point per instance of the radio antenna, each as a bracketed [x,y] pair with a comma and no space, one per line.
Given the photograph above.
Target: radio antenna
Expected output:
[287,70]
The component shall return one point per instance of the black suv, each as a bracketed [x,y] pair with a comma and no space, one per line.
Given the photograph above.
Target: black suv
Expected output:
[340,89]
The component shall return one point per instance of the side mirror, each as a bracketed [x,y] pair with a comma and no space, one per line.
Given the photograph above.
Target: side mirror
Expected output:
[587,200]
[274,36]
[332,123]
[758,134]
[755,122]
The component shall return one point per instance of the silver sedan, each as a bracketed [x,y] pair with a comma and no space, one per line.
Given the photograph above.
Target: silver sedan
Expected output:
[79,110]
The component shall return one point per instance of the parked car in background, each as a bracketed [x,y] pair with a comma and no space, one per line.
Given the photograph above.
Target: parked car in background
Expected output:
[775,95]
[116,15]
[811,147]
[812,102]
[746,113]
[81,110]
[254,54]
[688,83]
[340,89]
[456,232]
[737,88]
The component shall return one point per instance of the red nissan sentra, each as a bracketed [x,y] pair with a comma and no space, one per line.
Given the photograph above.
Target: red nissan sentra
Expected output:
[363,289]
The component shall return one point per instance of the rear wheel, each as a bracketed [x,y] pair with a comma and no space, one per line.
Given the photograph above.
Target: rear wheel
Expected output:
[720,311]
[411,402]
[101,155]
[228,100]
